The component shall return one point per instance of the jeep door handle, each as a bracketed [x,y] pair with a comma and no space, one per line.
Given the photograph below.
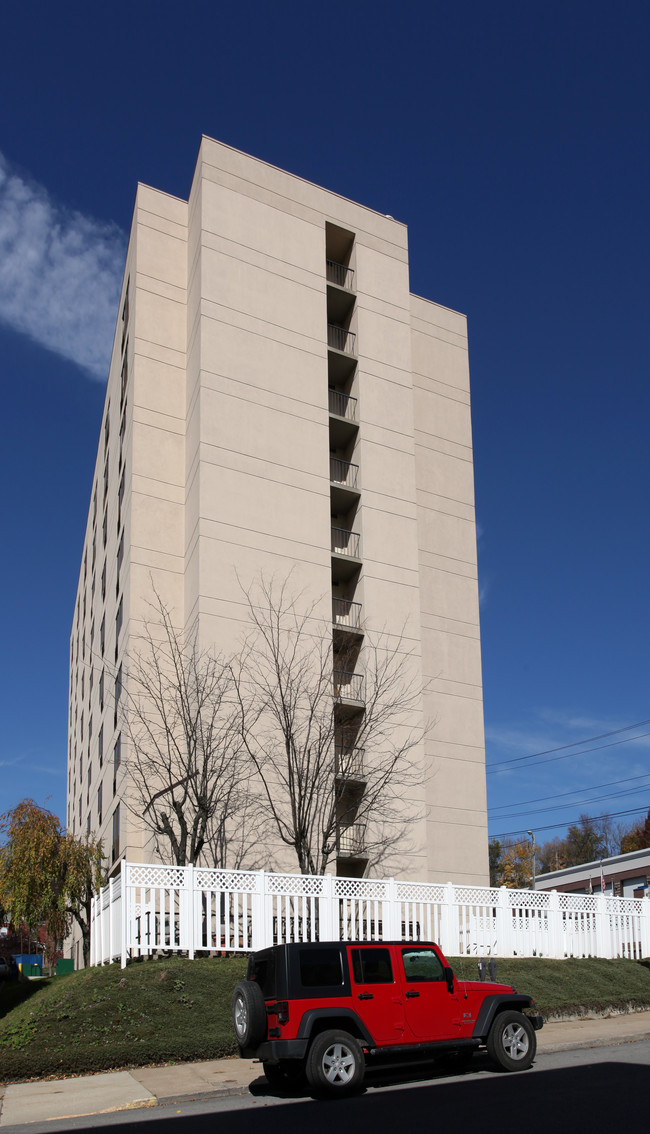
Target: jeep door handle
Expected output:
[411,992]
[366,996]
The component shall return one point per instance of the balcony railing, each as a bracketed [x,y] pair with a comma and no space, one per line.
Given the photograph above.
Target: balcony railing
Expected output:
[347,686]
[349,763]
[345,542]
[340,339]
[340,274]
[343,405]
[344,472]
[352,840]
[346,613]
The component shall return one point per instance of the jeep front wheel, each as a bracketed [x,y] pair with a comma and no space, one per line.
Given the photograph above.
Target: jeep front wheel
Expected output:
[511,1041]
[335,1064]
[248,1014]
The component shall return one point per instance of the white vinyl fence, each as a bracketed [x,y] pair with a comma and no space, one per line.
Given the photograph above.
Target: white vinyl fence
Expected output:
[191,909]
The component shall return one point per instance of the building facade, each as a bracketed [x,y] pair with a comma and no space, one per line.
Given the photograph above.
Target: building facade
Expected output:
[621,876]
[279,402]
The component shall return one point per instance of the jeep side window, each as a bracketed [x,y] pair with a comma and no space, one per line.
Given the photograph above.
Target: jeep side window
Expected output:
[371,966]
[422,965]
[321,968]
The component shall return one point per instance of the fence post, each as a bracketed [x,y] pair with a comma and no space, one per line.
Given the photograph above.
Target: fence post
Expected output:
[111,920]
[188,892]
[644,923]
[328,928]
[446,922]
[603,934]
[393,929]
[258,913]
[126,911]
[504,924]
[556,947]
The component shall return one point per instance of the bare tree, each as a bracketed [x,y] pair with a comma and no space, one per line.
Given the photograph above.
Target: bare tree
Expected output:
[186,760]
[334,750]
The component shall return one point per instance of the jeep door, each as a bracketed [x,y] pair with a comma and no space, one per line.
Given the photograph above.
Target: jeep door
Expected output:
[431,1011]
[377,993]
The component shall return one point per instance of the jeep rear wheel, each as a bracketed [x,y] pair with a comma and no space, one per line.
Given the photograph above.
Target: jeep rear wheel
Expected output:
[335,1064]
[511,1041]
[248,1014]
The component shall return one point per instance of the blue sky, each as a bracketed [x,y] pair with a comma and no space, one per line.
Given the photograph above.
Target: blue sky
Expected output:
[512,138]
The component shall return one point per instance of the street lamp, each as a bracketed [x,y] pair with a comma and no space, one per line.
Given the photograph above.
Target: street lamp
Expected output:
[532,835]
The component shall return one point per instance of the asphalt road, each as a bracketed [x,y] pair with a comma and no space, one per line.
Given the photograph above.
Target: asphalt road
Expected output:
[567,1092]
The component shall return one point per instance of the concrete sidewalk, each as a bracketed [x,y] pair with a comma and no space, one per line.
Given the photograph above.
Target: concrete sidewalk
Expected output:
[154,1086]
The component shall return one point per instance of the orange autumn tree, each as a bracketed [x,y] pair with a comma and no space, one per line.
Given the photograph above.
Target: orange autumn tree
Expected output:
[47,877]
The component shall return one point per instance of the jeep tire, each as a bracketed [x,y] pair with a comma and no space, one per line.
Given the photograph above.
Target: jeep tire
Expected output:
[248,1014]
[335,1064]
[511,1041]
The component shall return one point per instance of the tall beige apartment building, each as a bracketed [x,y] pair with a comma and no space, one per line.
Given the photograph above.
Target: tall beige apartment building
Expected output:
[278,401]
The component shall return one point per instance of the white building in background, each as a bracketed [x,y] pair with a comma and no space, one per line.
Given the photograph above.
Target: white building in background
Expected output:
[278,400]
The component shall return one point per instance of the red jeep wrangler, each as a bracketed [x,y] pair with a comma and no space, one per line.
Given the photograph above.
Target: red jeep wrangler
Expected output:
[329,1009]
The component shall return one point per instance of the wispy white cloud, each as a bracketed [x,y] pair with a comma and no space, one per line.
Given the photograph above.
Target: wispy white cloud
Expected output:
[60,273]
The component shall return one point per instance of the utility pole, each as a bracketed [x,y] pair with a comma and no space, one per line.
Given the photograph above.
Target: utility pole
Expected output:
[532,835]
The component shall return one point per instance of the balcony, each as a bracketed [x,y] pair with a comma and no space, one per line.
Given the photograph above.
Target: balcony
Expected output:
[351,840]
[345,542]
[342,405]
[343,419]
[346,615]
[338,338]
[349,764]
[344,485]
[348,687]
[340,275]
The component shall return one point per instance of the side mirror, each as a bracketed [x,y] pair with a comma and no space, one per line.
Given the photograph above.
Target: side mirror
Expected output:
[449,977]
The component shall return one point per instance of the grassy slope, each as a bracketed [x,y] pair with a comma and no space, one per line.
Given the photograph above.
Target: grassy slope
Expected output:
[176,1010]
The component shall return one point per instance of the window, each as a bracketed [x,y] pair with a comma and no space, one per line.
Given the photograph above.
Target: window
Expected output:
[117,760]
[120,499]
[107,426]
[105,527]
[95,505]
[85,566]
[122,434]
[92,636]
[372,966]
[100,745]
[91,675]
[101,690]
[90,772]
[83,675]
[106,480]
[125,376]
[422,965]
[118,691]
[102,635]
[81,727]
[104,581]
[120,555]
[321,968]
[99,805]
[116,833]
[90,726]
[88,824]
[119,618]
[94,554]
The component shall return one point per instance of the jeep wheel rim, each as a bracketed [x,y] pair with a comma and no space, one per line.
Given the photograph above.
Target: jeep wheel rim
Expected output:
[338,1064]
[516,1041]
[241,1017]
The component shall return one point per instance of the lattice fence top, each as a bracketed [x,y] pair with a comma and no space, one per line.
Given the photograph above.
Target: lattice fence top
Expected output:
[528,899]
[420,892]
[294,885]
[578,903]
[243,881]
[361,889]
[477,895]
[165,876]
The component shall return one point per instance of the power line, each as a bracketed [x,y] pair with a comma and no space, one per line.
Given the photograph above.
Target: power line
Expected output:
[554,826]
[562,795]
[568,755]
[576,803]
[574,744]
